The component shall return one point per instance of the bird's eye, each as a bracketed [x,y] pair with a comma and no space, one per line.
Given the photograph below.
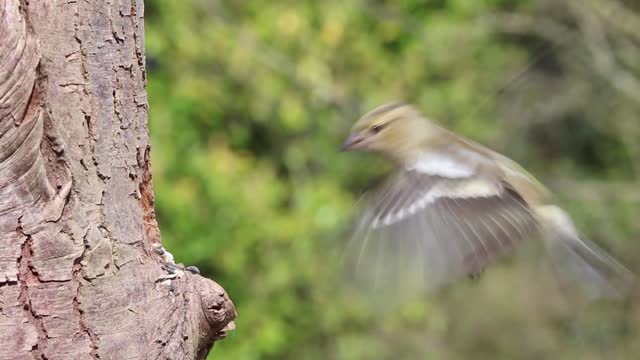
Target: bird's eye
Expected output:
[377,128]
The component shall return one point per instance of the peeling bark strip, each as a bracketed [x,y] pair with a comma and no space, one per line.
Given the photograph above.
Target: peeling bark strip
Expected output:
[77,224]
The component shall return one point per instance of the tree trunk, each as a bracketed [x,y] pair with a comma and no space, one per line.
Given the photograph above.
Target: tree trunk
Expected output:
[78,271]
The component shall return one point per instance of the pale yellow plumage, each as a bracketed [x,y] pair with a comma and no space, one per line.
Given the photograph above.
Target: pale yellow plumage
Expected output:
[455,206]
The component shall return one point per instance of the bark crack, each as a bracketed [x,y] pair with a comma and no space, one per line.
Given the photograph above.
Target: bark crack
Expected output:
[151,229]
[139,50]
[77,270]
[93,339]
[28,277]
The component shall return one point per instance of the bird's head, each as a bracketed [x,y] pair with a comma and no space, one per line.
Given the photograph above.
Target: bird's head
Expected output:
[396,131]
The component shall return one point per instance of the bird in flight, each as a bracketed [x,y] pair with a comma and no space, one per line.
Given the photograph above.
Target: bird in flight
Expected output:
[453,207]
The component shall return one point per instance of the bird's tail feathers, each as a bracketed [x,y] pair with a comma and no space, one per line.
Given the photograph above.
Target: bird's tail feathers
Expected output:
[581,262]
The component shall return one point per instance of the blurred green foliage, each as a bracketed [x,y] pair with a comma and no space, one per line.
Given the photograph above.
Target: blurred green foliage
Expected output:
[250,101]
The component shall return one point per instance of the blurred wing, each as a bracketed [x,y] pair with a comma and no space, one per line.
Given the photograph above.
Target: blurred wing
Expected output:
[421,230]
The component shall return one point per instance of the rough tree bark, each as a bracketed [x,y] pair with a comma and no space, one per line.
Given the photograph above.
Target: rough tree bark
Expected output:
[77,224]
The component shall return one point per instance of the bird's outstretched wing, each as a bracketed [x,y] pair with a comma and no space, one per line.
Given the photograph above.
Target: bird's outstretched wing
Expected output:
[429,225]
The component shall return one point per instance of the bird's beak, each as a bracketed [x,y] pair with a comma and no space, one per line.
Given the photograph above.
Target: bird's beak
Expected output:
[352,142]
